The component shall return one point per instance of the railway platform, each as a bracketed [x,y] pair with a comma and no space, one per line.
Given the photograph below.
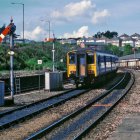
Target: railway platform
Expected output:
[129,129]
[129,126]
[32,96]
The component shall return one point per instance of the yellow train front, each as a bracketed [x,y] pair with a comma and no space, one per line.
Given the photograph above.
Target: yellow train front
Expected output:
[85,65]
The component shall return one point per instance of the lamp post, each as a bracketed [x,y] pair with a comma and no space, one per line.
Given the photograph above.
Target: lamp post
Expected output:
[49,26]
[23,16]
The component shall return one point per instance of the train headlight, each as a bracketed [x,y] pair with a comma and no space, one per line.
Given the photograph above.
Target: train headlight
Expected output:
[90,72]
[72,72]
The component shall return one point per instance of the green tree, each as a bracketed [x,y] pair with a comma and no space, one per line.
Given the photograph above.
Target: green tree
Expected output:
[107,34]
[4,57]
[127,49]
[26,56]
[114,49]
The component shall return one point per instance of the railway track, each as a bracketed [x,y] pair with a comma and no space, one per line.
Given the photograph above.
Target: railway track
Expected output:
[78,123]
[21,113]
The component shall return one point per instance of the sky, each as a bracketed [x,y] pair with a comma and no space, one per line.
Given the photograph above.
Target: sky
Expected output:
[71,18]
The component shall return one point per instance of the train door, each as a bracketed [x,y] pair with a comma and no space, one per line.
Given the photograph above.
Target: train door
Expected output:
[81,65]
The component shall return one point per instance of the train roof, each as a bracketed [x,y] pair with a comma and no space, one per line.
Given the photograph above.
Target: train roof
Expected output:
[80,50]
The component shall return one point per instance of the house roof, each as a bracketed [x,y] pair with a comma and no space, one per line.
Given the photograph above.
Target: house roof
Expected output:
[131,56]
[135,35]
[102,38]
[129,39]
[114,39]
[124,35]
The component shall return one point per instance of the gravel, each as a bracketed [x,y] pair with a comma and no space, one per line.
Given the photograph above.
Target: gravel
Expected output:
[33,96]
[22,130]
[128,106]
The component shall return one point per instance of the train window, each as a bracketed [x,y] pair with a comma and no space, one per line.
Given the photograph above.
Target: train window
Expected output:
[90,58]
[105,59]
[72,58]
[99,60]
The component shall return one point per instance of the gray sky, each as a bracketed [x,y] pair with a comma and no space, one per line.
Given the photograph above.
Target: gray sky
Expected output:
[72,18]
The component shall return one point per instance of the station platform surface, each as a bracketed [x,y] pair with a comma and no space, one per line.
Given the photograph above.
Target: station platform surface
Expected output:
[129,129]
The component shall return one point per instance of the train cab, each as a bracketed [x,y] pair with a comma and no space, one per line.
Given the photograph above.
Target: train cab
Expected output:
[80,65]
[84,66]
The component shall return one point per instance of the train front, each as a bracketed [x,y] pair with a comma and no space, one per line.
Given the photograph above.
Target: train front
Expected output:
[80,67]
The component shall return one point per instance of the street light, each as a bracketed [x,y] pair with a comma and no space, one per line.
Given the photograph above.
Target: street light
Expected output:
[53,50]
[23,16]
[49,26]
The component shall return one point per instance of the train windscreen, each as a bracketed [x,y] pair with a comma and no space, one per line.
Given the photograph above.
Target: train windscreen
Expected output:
[72,59]
[81,64]
[90,58]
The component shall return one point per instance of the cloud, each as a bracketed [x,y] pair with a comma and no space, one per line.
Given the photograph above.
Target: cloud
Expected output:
[35,34]
[83,31]
[84,10]
[73,9]
[100,15]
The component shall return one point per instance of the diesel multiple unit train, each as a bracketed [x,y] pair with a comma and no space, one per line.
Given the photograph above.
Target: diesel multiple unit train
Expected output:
[86,64]
[130,63]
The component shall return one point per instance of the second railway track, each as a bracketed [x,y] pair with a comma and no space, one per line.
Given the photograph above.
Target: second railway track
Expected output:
[76,124]
[21,113]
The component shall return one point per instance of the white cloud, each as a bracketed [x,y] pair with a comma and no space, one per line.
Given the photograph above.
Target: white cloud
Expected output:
[83,10]
[73,9]
[83,31]
[100,15]
[37,34]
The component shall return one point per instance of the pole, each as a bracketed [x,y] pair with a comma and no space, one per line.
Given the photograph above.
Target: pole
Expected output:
[49,29]
[39,78]
[11,67]
[49,23]
[134,54]
[134,49]
[53,55]
[23,17]
[23,22]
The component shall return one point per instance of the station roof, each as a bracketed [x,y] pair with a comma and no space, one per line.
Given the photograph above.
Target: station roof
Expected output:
[131,56]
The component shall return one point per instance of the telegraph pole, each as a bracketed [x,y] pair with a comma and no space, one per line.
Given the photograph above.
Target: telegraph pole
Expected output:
[11,66]
[12,30]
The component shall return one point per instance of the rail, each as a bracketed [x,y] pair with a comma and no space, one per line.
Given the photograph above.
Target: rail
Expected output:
[51,127]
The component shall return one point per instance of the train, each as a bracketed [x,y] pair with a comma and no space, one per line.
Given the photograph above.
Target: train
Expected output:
[85,65]
[130,63]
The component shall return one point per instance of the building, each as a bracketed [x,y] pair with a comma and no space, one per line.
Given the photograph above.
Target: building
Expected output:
[137,39]
[102,40]
[129,41]
[115,41]
[126,39]
[81,40]
[122,40]
[124,36]
[20,41]
[137,43]
[91,40]
[130,57]
[135,36]
[68,41]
